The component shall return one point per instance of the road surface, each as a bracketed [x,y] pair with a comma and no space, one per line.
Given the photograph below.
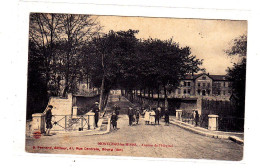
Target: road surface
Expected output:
[140,140]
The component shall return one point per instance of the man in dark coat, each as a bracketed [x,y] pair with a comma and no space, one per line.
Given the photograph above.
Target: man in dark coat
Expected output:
[166,117]
[130,115]
[95,110]
[157,115]
[48,117]
[196,118]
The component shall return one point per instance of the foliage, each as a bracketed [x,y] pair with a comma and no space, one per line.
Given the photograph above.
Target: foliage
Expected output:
[119,59]
[68,48]
[239,47]
[59,37]
[237,74]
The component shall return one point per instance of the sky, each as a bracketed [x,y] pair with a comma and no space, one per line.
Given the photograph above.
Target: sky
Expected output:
[208,39]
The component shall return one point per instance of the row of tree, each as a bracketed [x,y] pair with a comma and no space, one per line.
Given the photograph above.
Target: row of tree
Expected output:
[70,48]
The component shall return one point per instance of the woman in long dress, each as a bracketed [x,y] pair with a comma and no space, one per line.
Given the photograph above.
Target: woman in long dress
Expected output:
[152,116]
[146,116]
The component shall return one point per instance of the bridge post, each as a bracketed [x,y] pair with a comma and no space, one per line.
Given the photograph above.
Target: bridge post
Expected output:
[91,120]
[178,114]
[74,111]
[38,122]
[213,122]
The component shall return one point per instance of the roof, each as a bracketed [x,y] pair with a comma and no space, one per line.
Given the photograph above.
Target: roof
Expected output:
[189,77]
[214,77]
[219,77]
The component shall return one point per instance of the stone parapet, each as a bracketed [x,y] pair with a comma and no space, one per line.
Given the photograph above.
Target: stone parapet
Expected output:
[213,122]
[38,122]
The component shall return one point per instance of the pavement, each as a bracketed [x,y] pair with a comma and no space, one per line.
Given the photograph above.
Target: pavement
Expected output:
[237,137]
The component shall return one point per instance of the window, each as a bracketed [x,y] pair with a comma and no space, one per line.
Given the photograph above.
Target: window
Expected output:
[226,84]
[204,78]
[208,92]
[188,83]
[204,84]
[184,91]
[198,91]
[188,91]
[208,84]
[224,92]
[184,83]
[198,84]
[204,92]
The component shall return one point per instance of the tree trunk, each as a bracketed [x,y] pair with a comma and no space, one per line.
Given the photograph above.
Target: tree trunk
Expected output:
[158,95]
[165,98]
[101,93]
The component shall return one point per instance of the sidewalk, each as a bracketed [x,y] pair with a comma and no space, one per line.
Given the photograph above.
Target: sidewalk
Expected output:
[237,137]
[104,128]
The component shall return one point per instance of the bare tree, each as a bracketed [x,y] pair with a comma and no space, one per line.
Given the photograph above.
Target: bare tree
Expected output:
[75,31]
[43,33]
[59,38]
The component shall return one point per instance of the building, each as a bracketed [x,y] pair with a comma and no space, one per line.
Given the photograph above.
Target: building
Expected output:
[204,85]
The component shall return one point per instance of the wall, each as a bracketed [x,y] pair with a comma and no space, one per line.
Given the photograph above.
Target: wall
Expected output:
[61,106]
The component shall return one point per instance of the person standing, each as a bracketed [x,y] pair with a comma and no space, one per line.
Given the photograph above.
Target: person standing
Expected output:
[196,118]
[95,110]
[146,116]
[116,109]
[166,117]
[152,115]
[130,115]
[114,120]
[48,117]
[157,115]
[137,115]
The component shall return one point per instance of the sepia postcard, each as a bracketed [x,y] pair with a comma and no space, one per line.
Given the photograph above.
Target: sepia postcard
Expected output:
[136,86]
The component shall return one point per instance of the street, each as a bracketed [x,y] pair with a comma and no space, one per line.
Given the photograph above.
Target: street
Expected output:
[141,141]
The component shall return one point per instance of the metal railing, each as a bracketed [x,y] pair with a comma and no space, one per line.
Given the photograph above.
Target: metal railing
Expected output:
[70,123]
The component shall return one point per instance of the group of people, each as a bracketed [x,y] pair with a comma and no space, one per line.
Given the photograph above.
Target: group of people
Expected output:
[153,115]
[133,115]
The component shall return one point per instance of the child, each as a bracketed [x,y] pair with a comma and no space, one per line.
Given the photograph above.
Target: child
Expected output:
[146,117]
[137,115]
[114,120]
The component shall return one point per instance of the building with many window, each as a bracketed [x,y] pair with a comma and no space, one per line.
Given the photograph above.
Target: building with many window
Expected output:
[204,85]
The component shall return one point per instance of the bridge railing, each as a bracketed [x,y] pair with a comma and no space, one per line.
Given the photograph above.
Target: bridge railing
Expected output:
[70,123]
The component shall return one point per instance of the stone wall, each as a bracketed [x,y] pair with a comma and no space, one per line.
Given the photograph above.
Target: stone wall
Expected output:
[61,106]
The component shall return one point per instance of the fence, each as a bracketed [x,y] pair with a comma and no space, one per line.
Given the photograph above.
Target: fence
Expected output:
[187,116]
[70,123]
